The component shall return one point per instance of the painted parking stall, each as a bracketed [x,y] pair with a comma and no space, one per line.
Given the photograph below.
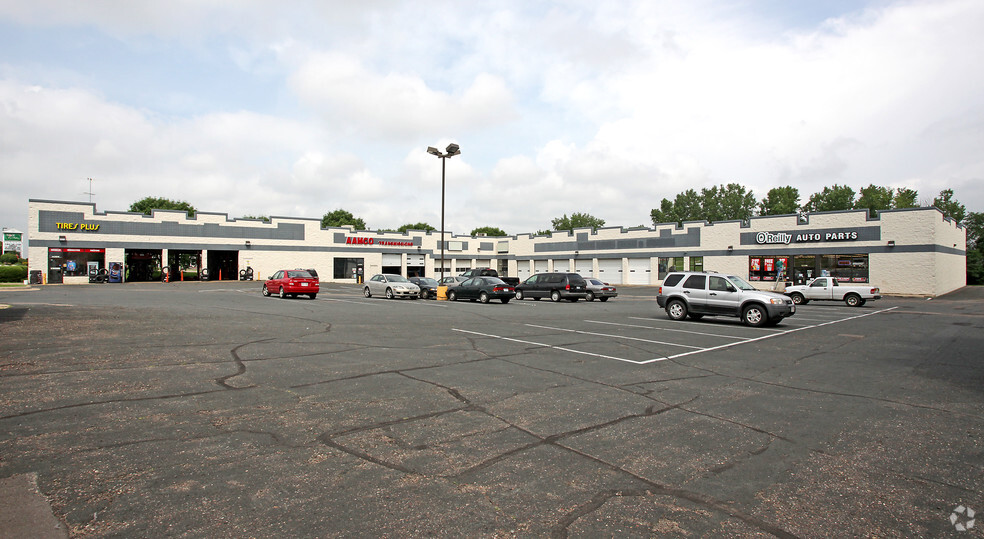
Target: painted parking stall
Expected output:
[643,341]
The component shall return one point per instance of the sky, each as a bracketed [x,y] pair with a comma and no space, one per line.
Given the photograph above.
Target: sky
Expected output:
[299,108]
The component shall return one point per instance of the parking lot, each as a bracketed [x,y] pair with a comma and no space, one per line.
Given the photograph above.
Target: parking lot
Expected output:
[205,409]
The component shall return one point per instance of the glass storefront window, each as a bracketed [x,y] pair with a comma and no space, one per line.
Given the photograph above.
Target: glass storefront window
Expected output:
[75,262]
[669,264]
[696,263]
[345,268]
[804,268]
[845,268]
[768,268]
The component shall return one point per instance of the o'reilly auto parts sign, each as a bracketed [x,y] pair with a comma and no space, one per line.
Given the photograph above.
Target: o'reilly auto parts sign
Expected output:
[785,237]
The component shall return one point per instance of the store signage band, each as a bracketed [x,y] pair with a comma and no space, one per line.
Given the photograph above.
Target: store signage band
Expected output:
[355,240]
[77,226]
[786,238]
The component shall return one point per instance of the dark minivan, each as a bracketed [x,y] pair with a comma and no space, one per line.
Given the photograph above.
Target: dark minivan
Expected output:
[556,286]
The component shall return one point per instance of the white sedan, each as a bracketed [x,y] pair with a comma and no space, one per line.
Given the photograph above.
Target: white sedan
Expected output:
[391,286]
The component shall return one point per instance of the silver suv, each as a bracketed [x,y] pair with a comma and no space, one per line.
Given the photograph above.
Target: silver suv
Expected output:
[699,294]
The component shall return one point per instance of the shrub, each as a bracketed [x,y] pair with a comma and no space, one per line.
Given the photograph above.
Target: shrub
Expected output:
[8,258]
[13,274]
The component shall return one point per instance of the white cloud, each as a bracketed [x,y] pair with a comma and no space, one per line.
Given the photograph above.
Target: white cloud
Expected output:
[396,105]
[559,107]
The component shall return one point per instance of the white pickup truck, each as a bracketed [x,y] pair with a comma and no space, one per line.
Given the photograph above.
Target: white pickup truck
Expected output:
[827,288]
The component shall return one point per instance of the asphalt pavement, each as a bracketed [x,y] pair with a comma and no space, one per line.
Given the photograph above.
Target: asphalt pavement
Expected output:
[207,410]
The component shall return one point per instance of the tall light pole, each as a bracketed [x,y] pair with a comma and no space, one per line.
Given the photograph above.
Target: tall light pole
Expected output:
[452,151]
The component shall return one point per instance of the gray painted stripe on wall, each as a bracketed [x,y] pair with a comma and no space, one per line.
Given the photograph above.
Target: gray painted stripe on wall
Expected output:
[666,240]
[47,222]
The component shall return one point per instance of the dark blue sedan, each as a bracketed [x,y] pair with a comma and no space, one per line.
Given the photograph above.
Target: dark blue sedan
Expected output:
[483,289]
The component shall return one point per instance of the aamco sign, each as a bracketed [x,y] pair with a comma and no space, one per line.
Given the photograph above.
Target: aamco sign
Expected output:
[356,240]
[785,238]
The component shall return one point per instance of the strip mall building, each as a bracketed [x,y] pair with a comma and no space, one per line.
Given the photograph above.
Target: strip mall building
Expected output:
[914,251]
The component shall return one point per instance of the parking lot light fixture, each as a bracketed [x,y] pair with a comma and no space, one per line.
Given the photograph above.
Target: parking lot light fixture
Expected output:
[451,151]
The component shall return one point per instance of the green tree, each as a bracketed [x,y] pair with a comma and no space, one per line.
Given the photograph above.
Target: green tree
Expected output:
[261,218]
[780,201]
[577,220]
[734,202]
[949,206]
[687,206]
[834,198]
[416,226]
[147,205]
[974,222]
[488,231]
[904,198]
[874,198]
[342,217]
[665,214]
[8,258]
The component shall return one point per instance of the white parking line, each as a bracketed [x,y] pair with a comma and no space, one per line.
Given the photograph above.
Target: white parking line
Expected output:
[554,347]
[668,329]
[615,336]
[729,345]
[663,358]
[742,327]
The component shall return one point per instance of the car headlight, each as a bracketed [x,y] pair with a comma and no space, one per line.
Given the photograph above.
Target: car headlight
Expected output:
[777,301]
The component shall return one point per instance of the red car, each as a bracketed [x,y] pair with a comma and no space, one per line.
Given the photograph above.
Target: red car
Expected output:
[290,283]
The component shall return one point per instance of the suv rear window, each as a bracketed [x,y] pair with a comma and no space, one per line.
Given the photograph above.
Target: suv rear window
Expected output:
[672,279]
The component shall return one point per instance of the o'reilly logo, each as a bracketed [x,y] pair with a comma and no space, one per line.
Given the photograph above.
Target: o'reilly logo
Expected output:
[773,237]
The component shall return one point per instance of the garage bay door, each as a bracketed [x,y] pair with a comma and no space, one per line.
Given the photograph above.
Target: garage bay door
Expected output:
[639,271]
[610,270]
[583,268]
[540,266]
[523,270]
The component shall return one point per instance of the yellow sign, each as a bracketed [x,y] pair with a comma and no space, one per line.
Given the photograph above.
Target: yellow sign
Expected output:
[85,227]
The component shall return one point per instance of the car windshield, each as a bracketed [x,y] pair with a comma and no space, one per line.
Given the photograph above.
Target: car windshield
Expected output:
[595,282]
[397,279]
[493,280]
[740,283]
[298,274]
[427,281]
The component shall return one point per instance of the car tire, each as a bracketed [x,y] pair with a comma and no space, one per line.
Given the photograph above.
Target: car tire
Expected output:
[505,301]
[676,310]
[366,292]
[863,301]
[483,297]
[519,295]
[264,291]
[590,296]
[312,296]
[755,316]
[283,295]
[389,293]
[423,294]
[602,299]
[797,298]
[555,295]
[853,300]
[452,296]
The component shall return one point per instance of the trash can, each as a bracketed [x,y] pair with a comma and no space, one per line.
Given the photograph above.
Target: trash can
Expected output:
[35,277]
